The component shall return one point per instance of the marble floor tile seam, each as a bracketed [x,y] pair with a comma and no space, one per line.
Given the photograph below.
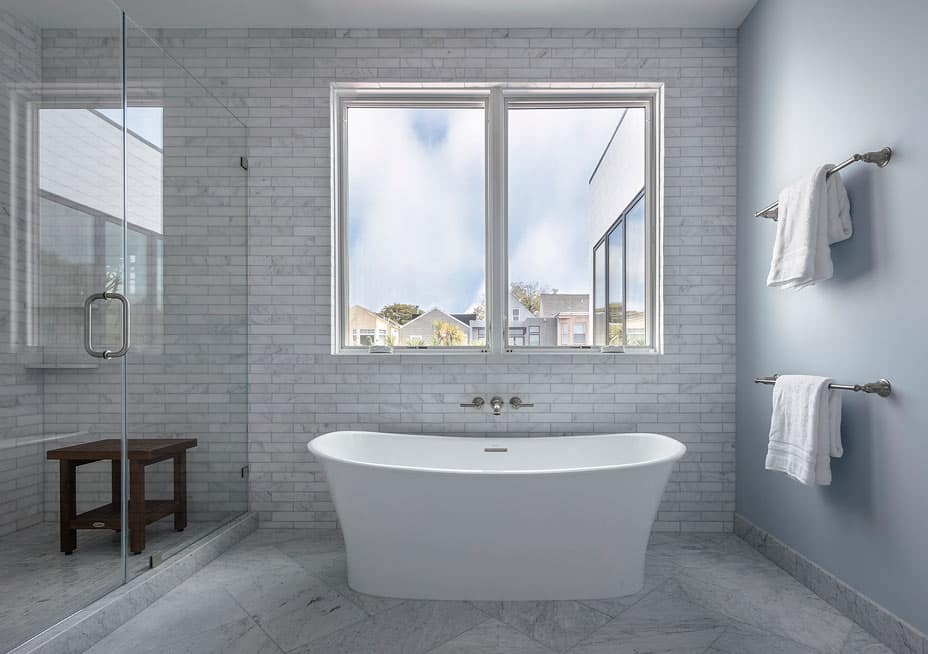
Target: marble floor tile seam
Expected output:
[736,622]
[333,587]
[477,626]
[477,606]
[587,604]
[619,615]
[187,635]
[301,646]
[676,565]
[732,623]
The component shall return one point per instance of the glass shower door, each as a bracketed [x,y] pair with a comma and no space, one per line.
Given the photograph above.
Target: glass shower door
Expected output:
[82,311]
[186,225]
[63,264]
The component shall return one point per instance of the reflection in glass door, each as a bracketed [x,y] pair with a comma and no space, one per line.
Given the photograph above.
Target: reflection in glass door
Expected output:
[64,321]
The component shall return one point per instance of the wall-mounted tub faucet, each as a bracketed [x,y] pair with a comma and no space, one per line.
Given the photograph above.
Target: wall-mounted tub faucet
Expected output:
[497,404]
[517,403]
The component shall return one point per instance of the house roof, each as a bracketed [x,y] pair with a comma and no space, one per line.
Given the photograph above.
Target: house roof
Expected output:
[464,317]
[431,311]
[375,314]
[555,303]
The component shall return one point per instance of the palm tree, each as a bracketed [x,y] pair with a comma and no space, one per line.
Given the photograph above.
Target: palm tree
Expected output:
[445,334]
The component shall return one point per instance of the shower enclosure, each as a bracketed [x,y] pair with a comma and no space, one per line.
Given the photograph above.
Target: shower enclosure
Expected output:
[123,195]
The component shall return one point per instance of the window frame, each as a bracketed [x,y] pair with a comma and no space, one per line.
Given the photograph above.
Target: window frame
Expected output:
[497,99]
[603,242]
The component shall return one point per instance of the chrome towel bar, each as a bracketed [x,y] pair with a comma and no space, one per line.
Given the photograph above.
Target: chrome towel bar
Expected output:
[882,388]
[879,157]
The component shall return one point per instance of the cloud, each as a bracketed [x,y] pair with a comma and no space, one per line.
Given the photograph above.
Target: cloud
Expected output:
[552,154]
[416,206]
[416,202]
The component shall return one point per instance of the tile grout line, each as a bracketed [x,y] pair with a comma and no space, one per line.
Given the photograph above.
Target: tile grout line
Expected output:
[617,615]
[445,642]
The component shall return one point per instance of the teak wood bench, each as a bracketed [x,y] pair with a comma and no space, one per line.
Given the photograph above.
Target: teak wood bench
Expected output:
[142,452]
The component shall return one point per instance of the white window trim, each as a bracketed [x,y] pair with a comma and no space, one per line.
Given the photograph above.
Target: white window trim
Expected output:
[496,98]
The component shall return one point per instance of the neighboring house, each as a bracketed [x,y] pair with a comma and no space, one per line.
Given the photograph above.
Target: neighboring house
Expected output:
[420,330]
[369,328]
[525,327]
[477,333]
[569,318]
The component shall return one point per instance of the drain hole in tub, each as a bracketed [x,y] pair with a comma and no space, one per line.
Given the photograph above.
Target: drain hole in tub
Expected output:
[496,449]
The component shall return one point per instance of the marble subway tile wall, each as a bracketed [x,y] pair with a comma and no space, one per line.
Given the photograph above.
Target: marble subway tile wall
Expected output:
[187,367]
[278,81]
[20,387]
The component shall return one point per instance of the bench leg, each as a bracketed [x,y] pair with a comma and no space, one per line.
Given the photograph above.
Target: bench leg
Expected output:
[136,506]
[180,491]
[67,497]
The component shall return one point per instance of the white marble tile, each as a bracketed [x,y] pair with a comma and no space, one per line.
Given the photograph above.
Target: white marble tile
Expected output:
[242,636]
[177,618]
[655,575]
[758,593]
[860,642]
[897,635]
[292,606]
[665,621]
[559,625]
[743,639]
[41,585]
[182,613]
[703,594]
[332,569]
[240,565]
[413,627]
[492,637]
[308,539]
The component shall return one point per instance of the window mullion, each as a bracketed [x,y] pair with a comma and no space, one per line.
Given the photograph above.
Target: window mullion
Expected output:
[497,306]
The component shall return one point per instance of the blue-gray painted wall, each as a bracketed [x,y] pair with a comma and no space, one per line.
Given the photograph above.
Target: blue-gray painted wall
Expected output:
[819,80]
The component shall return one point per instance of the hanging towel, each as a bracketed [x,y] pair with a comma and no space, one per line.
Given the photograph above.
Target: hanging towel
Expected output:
[805,428]
[813,214]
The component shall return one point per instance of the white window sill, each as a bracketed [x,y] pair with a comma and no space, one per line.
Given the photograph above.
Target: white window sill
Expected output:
[517,350]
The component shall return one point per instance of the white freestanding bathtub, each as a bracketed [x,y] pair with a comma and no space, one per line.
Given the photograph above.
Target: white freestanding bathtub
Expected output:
[431,517]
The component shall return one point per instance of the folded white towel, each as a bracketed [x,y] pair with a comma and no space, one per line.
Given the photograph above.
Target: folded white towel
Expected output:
[805,428]
[813,214]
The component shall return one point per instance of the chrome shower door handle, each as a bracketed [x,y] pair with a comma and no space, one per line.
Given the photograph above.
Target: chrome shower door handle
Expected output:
[88,325]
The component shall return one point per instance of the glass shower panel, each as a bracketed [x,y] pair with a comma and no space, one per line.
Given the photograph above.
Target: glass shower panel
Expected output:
[61,199]
[186,279]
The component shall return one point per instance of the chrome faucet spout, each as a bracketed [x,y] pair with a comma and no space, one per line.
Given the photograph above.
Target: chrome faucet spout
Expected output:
[497,405]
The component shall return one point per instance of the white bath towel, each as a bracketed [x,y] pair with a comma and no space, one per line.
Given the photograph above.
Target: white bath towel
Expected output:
[813,214]
[805,428]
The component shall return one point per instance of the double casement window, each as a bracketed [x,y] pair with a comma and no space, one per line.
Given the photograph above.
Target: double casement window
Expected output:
[496,217]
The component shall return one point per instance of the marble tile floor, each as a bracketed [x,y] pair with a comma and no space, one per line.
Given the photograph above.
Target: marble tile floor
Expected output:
[40,586]
[286,591]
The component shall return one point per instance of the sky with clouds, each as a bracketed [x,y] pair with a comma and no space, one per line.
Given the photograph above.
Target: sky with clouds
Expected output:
[416,210]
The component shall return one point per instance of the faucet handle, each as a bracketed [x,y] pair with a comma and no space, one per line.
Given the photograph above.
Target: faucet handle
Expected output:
[517,403]
[475,403]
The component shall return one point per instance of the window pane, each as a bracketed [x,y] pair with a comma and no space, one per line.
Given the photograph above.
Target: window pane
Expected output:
[616,274]
[599,300]
[552,154]
[635,270]
[579,333]
[416,224]
[568,169]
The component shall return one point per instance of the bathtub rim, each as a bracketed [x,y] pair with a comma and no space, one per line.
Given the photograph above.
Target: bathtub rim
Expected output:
[679,450]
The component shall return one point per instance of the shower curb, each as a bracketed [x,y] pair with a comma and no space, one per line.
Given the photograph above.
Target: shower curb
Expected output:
[889,629]
[82,630]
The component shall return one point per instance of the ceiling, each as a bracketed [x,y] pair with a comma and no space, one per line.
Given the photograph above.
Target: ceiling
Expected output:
[389,13]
